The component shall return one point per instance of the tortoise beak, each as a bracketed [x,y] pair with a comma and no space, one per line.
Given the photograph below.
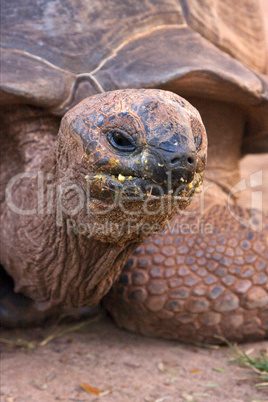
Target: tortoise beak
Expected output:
[172,167]
[166,168]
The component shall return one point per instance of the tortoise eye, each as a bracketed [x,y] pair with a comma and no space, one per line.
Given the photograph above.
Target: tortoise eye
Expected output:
[121,141]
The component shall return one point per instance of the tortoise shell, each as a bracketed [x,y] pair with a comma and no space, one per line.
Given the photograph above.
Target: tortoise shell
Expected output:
[55,53]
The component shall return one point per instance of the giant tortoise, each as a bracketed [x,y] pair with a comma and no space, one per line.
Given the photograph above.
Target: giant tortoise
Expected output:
[203,278]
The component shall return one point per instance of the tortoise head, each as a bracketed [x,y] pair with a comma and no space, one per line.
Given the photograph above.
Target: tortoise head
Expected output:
[134,149]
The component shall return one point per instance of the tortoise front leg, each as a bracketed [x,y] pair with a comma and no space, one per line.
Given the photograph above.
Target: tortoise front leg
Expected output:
[201,286]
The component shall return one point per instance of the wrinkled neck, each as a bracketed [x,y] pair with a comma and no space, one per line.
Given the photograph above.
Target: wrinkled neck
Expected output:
[82,271]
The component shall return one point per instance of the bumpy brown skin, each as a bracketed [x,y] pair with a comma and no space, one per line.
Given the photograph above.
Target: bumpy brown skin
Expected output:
[62,256]
[202,287]
[205,278]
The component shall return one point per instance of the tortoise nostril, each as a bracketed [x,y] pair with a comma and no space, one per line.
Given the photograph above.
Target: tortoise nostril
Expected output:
[174,161]
[181,161]
[190,160]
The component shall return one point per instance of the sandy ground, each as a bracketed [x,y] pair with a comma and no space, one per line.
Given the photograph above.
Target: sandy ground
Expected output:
[125,366]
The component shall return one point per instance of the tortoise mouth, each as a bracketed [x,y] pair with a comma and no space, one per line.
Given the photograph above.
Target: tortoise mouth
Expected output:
[105,186]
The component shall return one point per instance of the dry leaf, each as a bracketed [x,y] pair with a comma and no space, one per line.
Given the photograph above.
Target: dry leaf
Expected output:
[219,369]
[90,390]
[195,371]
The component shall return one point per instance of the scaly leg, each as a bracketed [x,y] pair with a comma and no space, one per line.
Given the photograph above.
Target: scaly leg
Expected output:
[197,287]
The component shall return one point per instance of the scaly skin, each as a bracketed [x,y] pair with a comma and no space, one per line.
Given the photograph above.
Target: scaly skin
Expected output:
[209,282]
[197,287]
